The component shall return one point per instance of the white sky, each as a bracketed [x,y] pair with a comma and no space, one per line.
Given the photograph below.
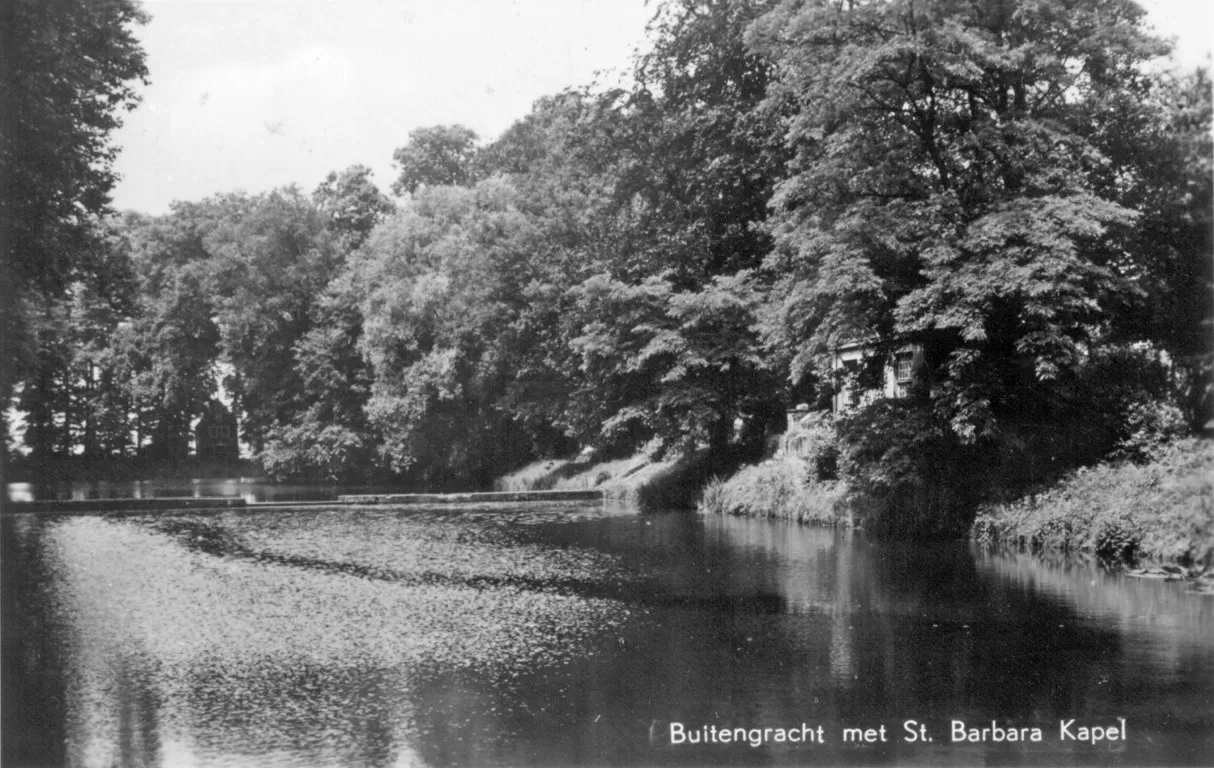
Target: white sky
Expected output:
[255,94]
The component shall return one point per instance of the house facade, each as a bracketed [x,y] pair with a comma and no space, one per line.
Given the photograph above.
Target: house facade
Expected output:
[896,376]
[215,436]
[799,436]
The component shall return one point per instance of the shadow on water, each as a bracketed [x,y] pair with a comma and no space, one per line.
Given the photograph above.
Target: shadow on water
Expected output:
[250,489]
[454,638]
[33,702]
[211,538]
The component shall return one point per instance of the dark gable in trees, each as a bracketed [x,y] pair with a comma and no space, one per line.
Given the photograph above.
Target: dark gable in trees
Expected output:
[215,436]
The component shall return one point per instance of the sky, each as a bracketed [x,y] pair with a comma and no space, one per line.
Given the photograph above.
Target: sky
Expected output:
[256,94]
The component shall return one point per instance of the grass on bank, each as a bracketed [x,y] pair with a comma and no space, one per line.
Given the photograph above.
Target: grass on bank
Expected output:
[618,479]
[777,488]
[537,476]
[1159,511]
[636,481]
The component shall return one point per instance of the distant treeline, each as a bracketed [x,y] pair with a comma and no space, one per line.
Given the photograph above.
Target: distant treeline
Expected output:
[669,265]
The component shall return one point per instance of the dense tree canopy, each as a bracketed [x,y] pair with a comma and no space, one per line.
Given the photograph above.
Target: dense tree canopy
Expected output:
[948,178]
[68,71]
[435,156]
[443,283]
[352,203]
[1001,184]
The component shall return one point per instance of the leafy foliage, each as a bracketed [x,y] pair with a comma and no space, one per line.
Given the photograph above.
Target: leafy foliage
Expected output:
[352,203]
[272,257]
[910,475]
[442,285]
[437,156]
[946,180]
[1162,510]
[169,348]
[659,362]
[662,267]
[68,72]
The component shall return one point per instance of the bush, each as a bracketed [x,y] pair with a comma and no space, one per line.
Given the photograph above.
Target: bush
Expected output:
[1148,426]
[329,454]
[778,488]
[909,474]
[1162,510]
[913,477]
[1129,392]
[811,438]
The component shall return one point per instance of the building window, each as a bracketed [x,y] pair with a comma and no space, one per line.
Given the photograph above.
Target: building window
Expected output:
[903,365]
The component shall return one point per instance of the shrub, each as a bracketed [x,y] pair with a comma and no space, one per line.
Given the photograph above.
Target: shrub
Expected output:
[813,440]
[910,475]
[779,489]
[1161,510]
[1148,425]
[329,454]
[1128,391]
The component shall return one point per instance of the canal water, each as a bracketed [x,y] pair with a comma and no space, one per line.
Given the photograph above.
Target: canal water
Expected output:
[574,635]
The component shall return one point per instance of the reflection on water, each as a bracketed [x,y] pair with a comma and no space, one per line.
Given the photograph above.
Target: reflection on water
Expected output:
[542,636]
[251,490]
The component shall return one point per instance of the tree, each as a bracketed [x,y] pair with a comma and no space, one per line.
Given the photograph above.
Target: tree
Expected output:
[435,156]
[713,149]
[946,182]
[965,178]
[68,70]
[45,395]
[330,437]
[69,391]
[694,152]
[443,284]
[560,160]
[272,256]
[674,365]
[1162,165]
[167,353]
[352,203]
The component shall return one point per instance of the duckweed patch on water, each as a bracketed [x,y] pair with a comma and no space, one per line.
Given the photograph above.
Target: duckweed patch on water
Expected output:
[239,636]
[433,546]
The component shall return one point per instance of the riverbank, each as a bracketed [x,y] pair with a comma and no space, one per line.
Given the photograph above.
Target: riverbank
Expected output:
[1161,512]
[636,481]
[780,488]
[1158,512]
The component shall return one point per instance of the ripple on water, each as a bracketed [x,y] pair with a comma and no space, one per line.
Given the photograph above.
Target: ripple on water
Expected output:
[307,624]
[429,605]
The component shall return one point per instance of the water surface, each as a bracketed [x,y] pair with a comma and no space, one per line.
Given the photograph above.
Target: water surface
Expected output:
[564,635]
